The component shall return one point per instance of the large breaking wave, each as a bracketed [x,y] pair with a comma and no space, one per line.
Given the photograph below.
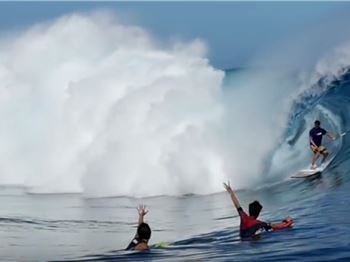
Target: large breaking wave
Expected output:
[91,105]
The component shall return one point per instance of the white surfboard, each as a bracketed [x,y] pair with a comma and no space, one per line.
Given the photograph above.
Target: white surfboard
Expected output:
[308,172]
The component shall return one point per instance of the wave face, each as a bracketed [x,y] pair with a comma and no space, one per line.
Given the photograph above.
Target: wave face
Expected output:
[90,105]
[327,98]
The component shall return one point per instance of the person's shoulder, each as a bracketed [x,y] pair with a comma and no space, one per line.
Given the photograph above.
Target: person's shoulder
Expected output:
[241,212]
[141,247]
[240,209]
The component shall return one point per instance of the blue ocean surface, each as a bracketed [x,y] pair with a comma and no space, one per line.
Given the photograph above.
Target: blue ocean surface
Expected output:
[73,227]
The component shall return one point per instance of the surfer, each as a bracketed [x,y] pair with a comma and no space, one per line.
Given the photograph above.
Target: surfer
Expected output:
[250,225]
[316,134]
[143,234]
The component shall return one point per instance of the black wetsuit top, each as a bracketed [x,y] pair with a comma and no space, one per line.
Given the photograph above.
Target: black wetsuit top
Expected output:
[316,134]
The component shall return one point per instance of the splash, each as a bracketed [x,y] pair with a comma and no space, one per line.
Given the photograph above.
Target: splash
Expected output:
[91,105]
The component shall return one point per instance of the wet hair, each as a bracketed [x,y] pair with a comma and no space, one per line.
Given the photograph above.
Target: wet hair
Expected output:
[144,231]
[317,123]
[255,208]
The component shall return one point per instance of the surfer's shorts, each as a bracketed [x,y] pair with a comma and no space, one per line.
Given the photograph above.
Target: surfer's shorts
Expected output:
[321,149]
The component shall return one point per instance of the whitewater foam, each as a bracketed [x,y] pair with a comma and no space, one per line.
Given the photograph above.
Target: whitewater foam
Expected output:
[91,105]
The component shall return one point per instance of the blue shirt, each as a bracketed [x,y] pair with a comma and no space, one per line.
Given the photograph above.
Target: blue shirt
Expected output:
[316,135]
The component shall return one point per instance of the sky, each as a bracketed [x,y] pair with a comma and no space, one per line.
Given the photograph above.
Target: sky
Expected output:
[234,32]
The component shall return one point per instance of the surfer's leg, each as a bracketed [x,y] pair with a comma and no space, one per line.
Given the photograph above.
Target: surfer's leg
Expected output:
[314,159]
[325,155]
[323,151]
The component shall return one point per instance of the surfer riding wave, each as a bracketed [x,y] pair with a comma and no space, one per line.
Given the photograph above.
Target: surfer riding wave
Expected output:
[316,134]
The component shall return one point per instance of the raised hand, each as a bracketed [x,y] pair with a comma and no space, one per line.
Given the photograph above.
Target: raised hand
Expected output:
[232,194]
[228,187]
[142,210]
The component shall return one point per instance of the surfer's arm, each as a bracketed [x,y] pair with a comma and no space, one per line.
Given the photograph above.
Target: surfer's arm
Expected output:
[331,136]
[328,134]
[287,223]
[232,194]
[312,142]
[142,212]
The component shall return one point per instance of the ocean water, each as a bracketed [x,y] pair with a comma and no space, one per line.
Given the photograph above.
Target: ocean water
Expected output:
[88,136]
[69,227]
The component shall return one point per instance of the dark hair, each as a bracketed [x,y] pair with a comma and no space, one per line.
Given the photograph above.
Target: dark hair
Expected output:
[144,231]
[255,208]
[317,123]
